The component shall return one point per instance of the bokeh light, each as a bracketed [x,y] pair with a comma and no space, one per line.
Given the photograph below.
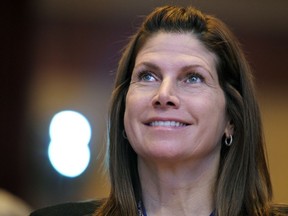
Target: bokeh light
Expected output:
[68,151]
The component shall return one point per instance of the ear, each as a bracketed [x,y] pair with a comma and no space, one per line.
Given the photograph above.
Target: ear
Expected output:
[229,129]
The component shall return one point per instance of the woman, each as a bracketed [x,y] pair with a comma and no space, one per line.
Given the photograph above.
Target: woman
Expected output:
[185,134]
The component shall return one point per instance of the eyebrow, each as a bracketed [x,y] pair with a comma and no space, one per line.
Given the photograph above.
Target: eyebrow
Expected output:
[148,64]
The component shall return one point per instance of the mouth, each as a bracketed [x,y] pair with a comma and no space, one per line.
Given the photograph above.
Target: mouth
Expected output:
[167,124]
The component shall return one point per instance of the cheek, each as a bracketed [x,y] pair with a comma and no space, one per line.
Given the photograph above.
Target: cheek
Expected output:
[132,115]
[131,104]
[213,111]
[135,104]
[137,100]
[218,115]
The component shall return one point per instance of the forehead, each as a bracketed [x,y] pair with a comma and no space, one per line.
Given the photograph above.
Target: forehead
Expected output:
[183,46]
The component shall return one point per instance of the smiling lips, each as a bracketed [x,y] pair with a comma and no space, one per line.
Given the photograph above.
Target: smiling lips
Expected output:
[167,124]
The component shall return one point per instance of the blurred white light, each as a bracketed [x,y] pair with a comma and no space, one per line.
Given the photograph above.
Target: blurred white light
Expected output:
[68,151]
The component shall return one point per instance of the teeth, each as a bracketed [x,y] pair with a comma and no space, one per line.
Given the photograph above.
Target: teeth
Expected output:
[167,124]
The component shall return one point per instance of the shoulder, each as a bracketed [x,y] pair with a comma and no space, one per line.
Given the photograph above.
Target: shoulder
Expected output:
[86,208]
[279,210]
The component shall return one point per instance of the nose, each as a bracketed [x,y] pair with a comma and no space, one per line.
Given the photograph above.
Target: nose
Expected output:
[166,96]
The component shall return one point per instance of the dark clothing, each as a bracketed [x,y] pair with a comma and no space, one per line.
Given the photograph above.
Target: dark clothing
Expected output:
[88,208]
[69,209]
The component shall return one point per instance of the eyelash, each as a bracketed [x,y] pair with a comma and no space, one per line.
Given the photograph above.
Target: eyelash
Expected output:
[194,74]
[142,77]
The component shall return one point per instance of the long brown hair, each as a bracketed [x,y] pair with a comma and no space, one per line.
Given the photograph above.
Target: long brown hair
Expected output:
[243,185]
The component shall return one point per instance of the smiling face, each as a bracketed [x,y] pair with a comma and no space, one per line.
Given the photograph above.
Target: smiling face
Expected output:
[175,107]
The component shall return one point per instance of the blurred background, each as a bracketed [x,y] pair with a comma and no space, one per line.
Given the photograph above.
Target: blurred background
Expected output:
[62,55]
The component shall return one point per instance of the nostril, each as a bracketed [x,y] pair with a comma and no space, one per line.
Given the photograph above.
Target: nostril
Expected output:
[169,103]
[157,103]
[165,104]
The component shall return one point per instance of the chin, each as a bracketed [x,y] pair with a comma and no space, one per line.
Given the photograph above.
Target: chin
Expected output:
[165,154]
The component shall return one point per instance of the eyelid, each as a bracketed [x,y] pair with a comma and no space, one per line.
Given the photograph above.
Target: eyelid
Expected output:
[140,75]
[201,70]
[200,78]
[200,75]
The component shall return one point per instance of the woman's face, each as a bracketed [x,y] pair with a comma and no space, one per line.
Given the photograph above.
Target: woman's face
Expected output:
[175,108]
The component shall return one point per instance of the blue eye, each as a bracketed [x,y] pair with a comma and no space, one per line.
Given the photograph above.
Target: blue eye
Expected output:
[194,78]
[146,76]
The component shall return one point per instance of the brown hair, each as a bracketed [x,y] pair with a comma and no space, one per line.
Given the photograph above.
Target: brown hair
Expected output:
[243,186]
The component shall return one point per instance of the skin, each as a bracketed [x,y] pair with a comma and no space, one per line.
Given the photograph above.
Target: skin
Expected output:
[175,119]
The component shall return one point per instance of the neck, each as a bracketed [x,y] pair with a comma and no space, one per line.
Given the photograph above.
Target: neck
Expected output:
[184,188]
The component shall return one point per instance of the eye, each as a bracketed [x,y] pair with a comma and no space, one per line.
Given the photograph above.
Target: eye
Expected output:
[194,78]
[146,76]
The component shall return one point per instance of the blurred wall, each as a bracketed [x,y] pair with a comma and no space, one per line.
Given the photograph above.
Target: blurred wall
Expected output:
[72,56]
[15,73]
